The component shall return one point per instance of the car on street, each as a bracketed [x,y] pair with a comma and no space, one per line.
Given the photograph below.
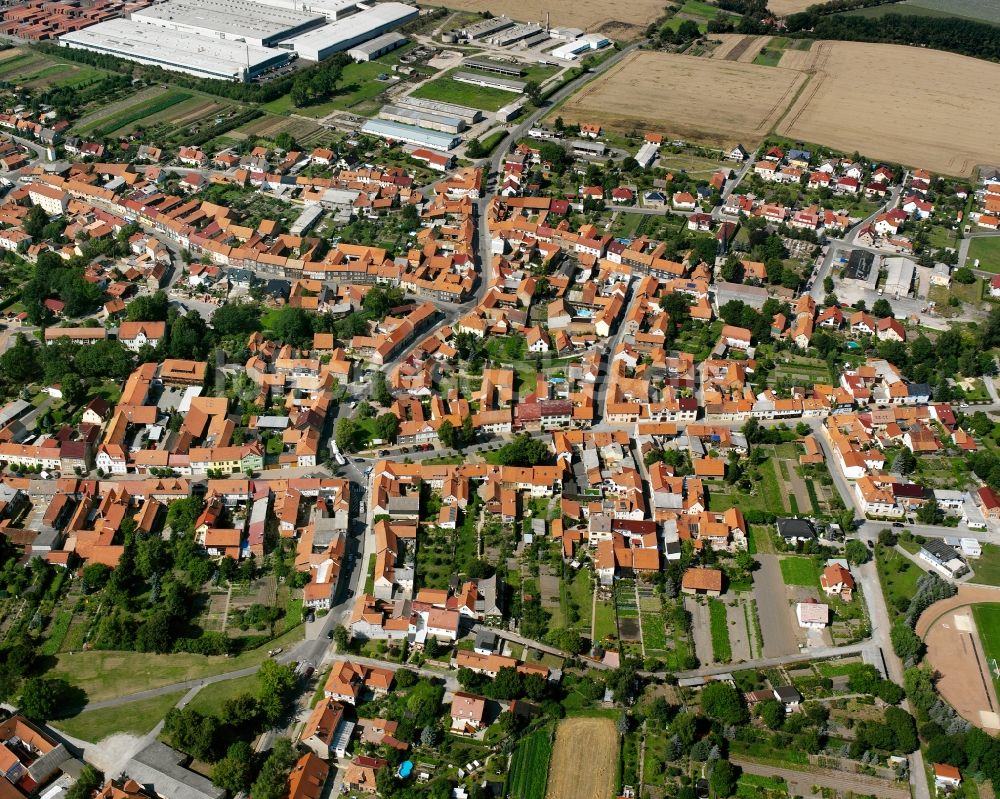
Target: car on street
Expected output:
[898,524]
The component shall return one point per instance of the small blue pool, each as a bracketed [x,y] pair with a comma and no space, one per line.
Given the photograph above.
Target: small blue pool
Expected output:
[405,768]
[852,345]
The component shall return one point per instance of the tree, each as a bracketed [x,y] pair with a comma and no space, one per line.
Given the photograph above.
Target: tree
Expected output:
[346,434]
[721,702]
[236,319]
[447,434]
[380,390]
[881,309]
[722,778]
[271,782]
[930,513]
[235,771]
[772,713]
[90,780]
[568,640]
[428,736]
[905,462]
[341,637]
[906,643]
[73,390]
[856,552]
[387,427]
[149,308]
[733,270]
[43,698]
[523,451]
[533,92]
[964,275]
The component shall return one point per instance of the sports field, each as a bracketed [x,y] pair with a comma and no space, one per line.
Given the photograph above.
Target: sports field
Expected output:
[702,100]
[900,118]
[584,760]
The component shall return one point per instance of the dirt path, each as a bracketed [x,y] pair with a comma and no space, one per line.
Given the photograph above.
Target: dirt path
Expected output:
[800,782]
[773,610]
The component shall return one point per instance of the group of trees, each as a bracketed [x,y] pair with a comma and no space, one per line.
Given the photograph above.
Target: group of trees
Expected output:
[524,451]
[956,34]
[224,738]
[320,83]
[508,684]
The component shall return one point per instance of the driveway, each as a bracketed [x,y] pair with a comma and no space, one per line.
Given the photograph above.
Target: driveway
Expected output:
[773,610]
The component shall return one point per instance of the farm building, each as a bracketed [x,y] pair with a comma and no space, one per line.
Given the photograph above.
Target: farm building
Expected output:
[410,134]
[422,119]
[490,82]
[202,56]
[468,115]
[343,34]
[244,20]
[379,46]
[514,70]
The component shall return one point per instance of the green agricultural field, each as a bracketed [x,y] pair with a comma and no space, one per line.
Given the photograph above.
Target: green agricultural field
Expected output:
[529,767]
[987,250]
[799,571]
[449,90]
[145,109]
[722,650]
[137,718]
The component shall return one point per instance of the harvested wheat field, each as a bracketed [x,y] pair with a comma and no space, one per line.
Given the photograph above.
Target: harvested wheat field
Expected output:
[783,7]
[584,760]
[702,100]
[619,20]
[873,98]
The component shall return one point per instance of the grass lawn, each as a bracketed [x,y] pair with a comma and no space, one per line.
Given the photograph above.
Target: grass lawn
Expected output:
[988,621]
[899,577]
[449,90]
[987,568]
[987,250]
[799,571]
[106,675]
[721,649]
[605,623]
[137,718]
[210,699]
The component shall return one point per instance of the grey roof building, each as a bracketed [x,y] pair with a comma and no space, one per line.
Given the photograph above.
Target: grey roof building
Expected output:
[158,767]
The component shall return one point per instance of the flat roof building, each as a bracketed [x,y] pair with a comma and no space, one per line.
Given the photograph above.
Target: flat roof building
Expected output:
[253,22]
[203,56]
[490,82]
[571,50]
[422,119]
[351,31]
[515,70]
[379,46]
[410,134]
[484,27]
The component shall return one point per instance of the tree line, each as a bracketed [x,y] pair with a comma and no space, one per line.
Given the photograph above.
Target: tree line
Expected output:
[964,36]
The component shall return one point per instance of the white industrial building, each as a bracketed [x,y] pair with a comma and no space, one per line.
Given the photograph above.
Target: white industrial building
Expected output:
[203,56]
[572,50]
[345,33]
[246,20]
[410,134]
[379,46]
[647,154]
[422,119]
[331,9]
